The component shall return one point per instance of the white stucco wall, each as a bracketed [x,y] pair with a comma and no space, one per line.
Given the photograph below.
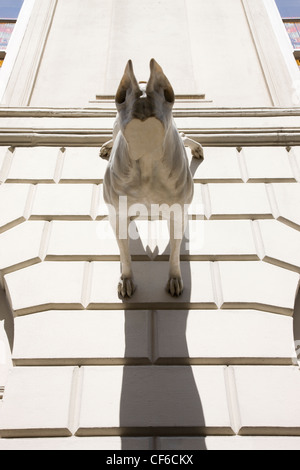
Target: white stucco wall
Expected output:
[92,372]
[206,47]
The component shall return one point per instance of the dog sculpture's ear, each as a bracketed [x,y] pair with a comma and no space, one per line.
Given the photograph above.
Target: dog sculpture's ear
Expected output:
[128,83]
[158,80]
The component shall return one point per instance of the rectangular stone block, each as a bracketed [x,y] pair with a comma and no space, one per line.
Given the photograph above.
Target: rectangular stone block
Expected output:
[151,279]
[239,201]
[46,285]
[295,151]
[267,400]
[63,201]
[220,164]
[82,240]
[56,337]
[13,198]
[3,153]
[197,207]
[211,443]
[281,244]
[153,400]
[288,200]
[102,210]
[83,164]
[220,239]
[37,402]
[33,164]
[78,443]
[21,245]
[5,348]
[256,284]
[268,164]
[205,240]
[229,443]
[228,337]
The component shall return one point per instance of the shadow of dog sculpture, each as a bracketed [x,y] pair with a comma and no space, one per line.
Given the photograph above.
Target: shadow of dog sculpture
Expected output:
[148,170]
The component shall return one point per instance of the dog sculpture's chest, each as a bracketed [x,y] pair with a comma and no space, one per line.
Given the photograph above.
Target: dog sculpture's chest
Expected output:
[149,182]
[145,140]
[148,176]
[158,177]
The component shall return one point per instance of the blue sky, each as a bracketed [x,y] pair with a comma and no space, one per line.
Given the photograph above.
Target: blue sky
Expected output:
[287,8]
[10,8]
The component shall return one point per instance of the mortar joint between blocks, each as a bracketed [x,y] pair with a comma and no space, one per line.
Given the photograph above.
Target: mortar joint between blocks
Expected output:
[272,200]
[30,201]
[294,164]
[258,239]
[206,200]
[153,340]
[8,160]
[45,240]
[76,399]
[87,283]
[242,164]
[217,283]
[95,201]
[59,165]
[232,399]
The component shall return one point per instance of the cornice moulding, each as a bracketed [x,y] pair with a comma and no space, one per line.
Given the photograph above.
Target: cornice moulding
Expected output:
[93,126]
[178,112]
[93,138]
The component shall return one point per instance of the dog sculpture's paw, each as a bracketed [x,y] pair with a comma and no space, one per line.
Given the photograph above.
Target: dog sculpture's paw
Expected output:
[126,288]
[105,152]
[198,153]
[175,286]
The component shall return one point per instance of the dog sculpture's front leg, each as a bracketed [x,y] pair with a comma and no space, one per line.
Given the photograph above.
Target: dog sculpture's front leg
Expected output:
[126,286]
[106,149]
[196,148]
[177,226]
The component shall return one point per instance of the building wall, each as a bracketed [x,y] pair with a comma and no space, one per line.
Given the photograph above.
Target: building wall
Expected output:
[212,46]
[216,368]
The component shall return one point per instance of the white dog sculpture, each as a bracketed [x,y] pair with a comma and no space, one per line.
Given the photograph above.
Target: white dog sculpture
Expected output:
[148,167]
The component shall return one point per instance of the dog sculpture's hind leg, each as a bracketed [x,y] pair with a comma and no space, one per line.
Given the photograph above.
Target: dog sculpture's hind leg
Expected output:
[177,228]
[126,285]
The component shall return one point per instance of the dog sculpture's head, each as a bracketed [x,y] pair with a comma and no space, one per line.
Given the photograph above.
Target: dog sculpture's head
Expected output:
[145,112]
